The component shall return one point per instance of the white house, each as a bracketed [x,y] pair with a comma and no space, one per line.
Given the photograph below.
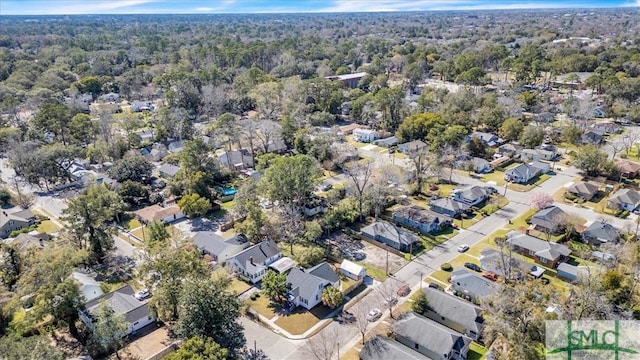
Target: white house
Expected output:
[122,302]
[471,195]
[365,135]
[522,173]
[352,270]
[306,285]
[254,261]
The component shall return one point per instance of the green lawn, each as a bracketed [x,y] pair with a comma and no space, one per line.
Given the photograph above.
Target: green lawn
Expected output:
[528,187]
[463,224]
[47,226]
[227,205]
[476,351]
[374,272]
[301,320]
[441,275]
[264,306]
[238,286]
[495,176]
[130,223]
[520,223]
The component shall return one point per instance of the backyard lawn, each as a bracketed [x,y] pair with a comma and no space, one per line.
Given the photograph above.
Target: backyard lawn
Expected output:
[374,272]
[301,320]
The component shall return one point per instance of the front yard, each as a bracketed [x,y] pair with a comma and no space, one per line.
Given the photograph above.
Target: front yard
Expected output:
[528,187]
[301,320]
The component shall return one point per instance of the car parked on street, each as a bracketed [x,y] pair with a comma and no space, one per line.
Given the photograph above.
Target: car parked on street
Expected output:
[434,286]
[390,301]
[462,248]
[472,266]
[374,314]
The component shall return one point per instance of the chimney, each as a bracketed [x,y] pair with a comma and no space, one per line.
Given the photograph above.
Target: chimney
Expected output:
[251,260]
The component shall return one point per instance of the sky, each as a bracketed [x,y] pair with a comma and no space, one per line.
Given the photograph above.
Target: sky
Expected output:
[72,7]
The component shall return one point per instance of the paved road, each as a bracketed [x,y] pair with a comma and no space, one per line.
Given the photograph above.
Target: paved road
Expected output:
[432,259]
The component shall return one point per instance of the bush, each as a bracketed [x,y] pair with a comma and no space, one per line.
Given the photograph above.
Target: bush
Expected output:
[622,214]
[446,267]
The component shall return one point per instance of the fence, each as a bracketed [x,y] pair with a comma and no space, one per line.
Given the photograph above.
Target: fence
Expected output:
[164,352]
[382,246]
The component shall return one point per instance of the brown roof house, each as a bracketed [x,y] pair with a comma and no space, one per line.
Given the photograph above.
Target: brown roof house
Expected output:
[583,190]
[628,169]
[155,212]
[546,253]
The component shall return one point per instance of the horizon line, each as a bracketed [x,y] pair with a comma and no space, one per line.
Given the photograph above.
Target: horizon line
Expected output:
[593,7]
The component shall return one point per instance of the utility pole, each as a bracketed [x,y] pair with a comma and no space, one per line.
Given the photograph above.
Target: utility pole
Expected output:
[387,249]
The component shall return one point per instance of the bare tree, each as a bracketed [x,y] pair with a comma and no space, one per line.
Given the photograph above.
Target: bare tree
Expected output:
[388,291]
[630,139]
[249,128]
[617,145]
[361,313]
[268,132]
[360,173]
[323,345]
[383,186]
[449,156]
[424,166]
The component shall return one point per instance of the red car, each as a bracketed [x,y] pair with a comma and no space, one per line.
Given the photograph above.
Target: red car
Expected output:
[491,275]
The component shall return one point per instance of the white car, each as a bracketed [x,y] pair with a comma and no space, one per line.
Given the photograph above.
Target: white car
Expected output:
[390,301]
[374,315]
[462,248]
[142,294]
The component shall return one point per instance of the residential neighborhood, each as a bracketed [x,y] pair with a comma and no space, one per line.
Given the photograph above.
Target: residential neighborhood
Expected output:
[404,185]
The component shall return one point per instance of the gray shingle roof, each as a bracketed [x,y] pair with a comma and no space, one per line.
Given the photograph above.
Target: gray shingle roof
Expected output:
[473,284]
[626,196]
[449,204]
[601,231]
[473,192]
[169,169]
[429,334]
[491,260]
[121,302]
[389,231]
[545,249]
[305,283]
[455,309]
[259,252]
[582,187]
[213,243]
[523,171]
[550,218]
[415,213]
[383,348]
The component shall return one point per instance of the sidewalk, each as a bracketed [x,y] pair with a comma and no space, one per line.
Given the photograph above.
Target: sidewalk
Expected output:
[320,325]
